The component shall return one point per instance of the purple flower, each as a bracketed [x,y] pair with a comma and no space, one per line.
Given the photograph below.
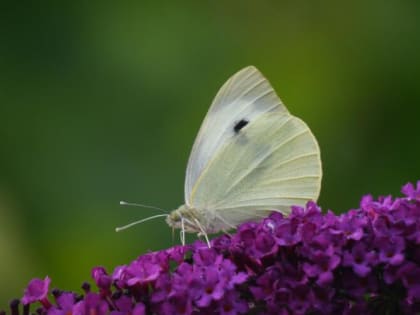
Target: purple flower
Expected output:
[410,277]
[265,244]
[365,261]
[287,233]
[357,287]
[177,253]
[211,286]
[360,259]
[163,288]
[139,309]
[118,276]
[322,266]
[102,279]
[230,275]
[205,256]
[265,285]
[124,306]
[321,297]
[142,272]
[232,304]
[37,290]
[91,304]
[411,191]
[391,250]
[182,281]
[350,225]
[178,303]
[301,299]
[65,303]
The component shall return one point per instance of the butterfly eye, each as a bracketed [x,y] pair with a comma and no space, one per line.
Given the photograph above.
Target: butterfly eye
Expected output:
[239,125]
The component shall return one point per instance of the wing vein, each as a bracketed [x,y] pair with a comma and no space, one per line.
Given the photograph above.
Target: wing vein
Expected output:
[227,90]
[264,157]
[247,105]
[249,89]
[297,158]
[258,207]
[279,180]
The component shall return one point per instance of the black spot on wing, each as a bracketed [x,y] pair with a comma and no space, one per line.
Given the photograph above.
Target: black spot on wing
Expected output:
[239,125]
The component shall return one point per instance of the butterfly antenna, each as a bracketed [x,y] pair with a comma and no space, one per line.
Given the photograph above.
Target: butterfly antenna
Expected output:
[140,221]
[125,203]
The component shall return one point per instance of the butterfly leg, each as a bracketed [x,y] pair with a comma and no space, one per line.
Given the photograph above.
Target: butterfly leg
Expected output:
[182,232]
[202,232]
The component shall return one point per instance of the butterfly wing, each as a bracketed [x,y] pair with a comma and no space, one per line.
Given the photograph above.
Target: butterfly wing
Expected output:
[245,96]
[251,156]
[272,164]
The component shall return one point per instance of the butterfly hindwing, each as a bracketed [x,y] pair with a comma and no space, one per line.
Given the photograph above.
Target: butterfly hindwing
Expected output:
[271,164]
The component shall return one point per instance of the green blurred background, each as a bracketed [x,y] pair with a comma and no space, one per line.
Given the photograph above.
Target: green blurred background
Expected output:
[101,103]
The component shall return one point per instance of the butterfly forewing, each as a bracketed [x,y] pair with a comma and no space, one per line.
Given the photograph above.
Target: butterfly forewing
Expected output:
[243,98]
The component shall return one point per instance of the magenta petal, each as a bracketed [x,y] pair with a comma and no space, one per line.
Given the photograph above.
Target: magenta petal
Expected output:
[36,290]
[139,309]
[325,278]
[361,270]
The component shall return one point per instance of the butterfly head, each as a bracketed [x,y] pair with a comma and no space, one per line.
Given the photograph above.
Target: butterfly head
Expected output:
[185,218]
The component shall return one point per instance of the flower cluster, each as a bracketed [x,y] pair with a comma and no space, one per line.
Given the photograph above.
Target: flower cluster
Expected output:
[365,261]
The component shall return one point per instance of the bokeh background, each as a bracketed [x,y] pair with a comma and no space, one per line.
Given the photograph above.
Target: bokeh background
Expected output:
[101,103]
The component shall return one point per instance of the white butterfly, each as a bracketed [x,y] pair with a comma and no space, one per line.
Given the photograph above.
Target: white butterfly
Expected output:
[251,157]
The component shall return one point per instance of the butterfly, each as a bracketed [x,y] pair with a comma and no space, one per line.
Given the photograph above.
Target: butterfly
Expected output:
[251,157]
